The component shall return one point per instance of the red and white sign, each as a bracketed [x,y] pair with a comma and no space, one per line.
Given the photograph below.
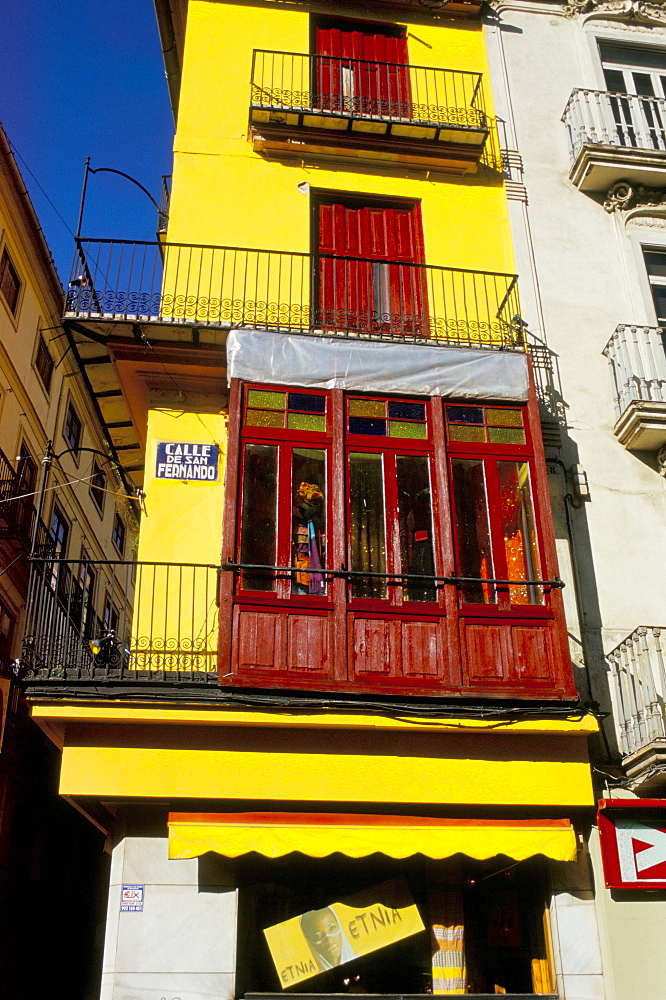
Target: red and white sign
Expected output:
[633,843]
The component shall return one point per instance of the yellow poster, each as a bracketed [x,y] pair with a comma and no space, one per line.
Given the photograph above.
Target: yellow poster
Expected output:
[318,940]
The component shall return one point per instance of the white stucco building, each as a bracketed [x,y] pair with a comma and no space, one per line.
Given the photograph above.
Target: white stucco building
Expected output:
[581,88]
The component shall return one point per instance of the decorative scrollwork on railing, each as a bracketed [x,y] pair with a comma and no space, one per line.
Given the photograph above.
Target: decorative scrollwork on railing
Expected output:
[402,111]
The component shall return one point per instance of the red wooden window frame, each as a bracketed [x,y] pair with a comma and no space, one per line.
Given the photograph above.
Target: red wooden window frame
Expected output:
[285,440]
[382,643]
[490,454]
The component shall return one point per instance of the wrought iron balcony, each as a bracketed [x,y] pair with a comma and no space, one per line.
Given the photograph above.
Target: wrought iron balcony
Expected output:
[638,680]
[330,102]
[615,137]
[18,511]
[323,294]
[638,379]
[121,622]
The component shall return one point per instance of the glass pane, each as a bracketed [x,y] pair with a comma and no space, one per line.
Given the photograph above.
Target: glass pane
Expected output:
[367,408]
[268,400]
[459,432]
[403,429]
[659,297]
[308,519]
[367,425]
[406,411]
[368,538]
[520,546]
[506,435]
[259,516]
[306,422]
[465,414]
[304,402]
[472,529]
[505,418]
[264,418]
[415,522]
[655,263]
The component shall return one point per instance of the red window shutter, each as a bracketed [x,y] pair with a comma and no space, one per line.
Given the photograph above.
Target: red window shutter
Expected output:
[352,75]
[359,295]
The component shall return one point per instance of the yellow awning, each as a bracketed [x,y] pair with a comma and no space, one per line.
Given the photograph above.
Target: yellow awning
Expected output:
[357,836]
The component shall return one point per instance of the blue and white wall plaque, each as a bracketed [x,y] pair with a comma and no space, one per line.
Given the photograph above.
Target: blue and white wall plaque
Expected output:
[177,460]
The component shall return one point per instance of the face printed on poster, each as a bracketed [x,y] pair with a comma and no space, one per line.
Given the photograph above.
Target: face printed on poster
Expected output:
[323,939]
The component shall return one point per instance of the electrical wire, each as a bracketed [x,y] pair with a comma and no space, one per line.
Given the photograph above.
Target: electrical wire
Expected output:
[16,153]
[57,486]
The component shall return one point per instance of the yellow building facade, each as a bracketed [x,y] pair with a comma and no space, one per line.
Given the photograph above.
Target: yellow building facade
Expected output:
[335,680]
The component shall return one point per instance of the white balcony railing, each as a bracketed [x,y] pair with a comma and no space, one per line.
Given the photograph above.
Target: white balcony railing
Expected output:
[637,366]
[639,687]
[600,118]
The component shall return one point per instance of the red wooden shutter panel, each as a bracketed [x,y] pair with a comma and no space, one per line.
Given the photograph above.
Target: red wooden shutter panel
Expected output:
[358,294]
[353,76]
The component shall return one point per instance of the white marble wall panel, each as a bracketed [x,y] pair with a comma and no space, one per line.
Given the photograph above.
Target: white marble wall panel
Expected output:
[182,944]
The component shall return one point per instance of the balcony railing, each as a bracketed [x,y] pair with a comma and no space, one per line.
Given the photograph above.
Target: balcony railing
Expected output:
[319,293]
[380,97]
[597,117]
[18,511]
[637,366]
[121,622]
[639,687]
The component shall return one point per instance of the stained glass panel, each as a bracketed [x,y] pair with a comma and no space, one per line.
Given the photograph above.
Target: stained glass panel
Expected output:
[404,429]
[267,400]
[368,536]
[306,422]
[460,432]
[465,414]
[506,435]
[264,418]
[504,418]
[367,408]
[402,410]
[367,425]
[305,402]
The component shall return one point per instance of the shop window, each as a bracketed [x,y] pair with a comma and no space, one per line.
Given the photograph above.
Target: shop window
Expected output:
[485,926]
[44,363]
[73,428]
[10,283]
[402,519]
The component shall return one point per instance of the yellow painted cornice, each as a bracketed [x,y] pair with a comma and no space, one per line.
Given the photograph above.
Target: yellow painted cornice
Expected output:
[161,714]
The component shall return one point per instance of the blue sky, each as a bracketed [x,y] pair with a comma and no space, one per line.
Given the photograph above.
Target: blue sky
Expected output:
[85,78]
